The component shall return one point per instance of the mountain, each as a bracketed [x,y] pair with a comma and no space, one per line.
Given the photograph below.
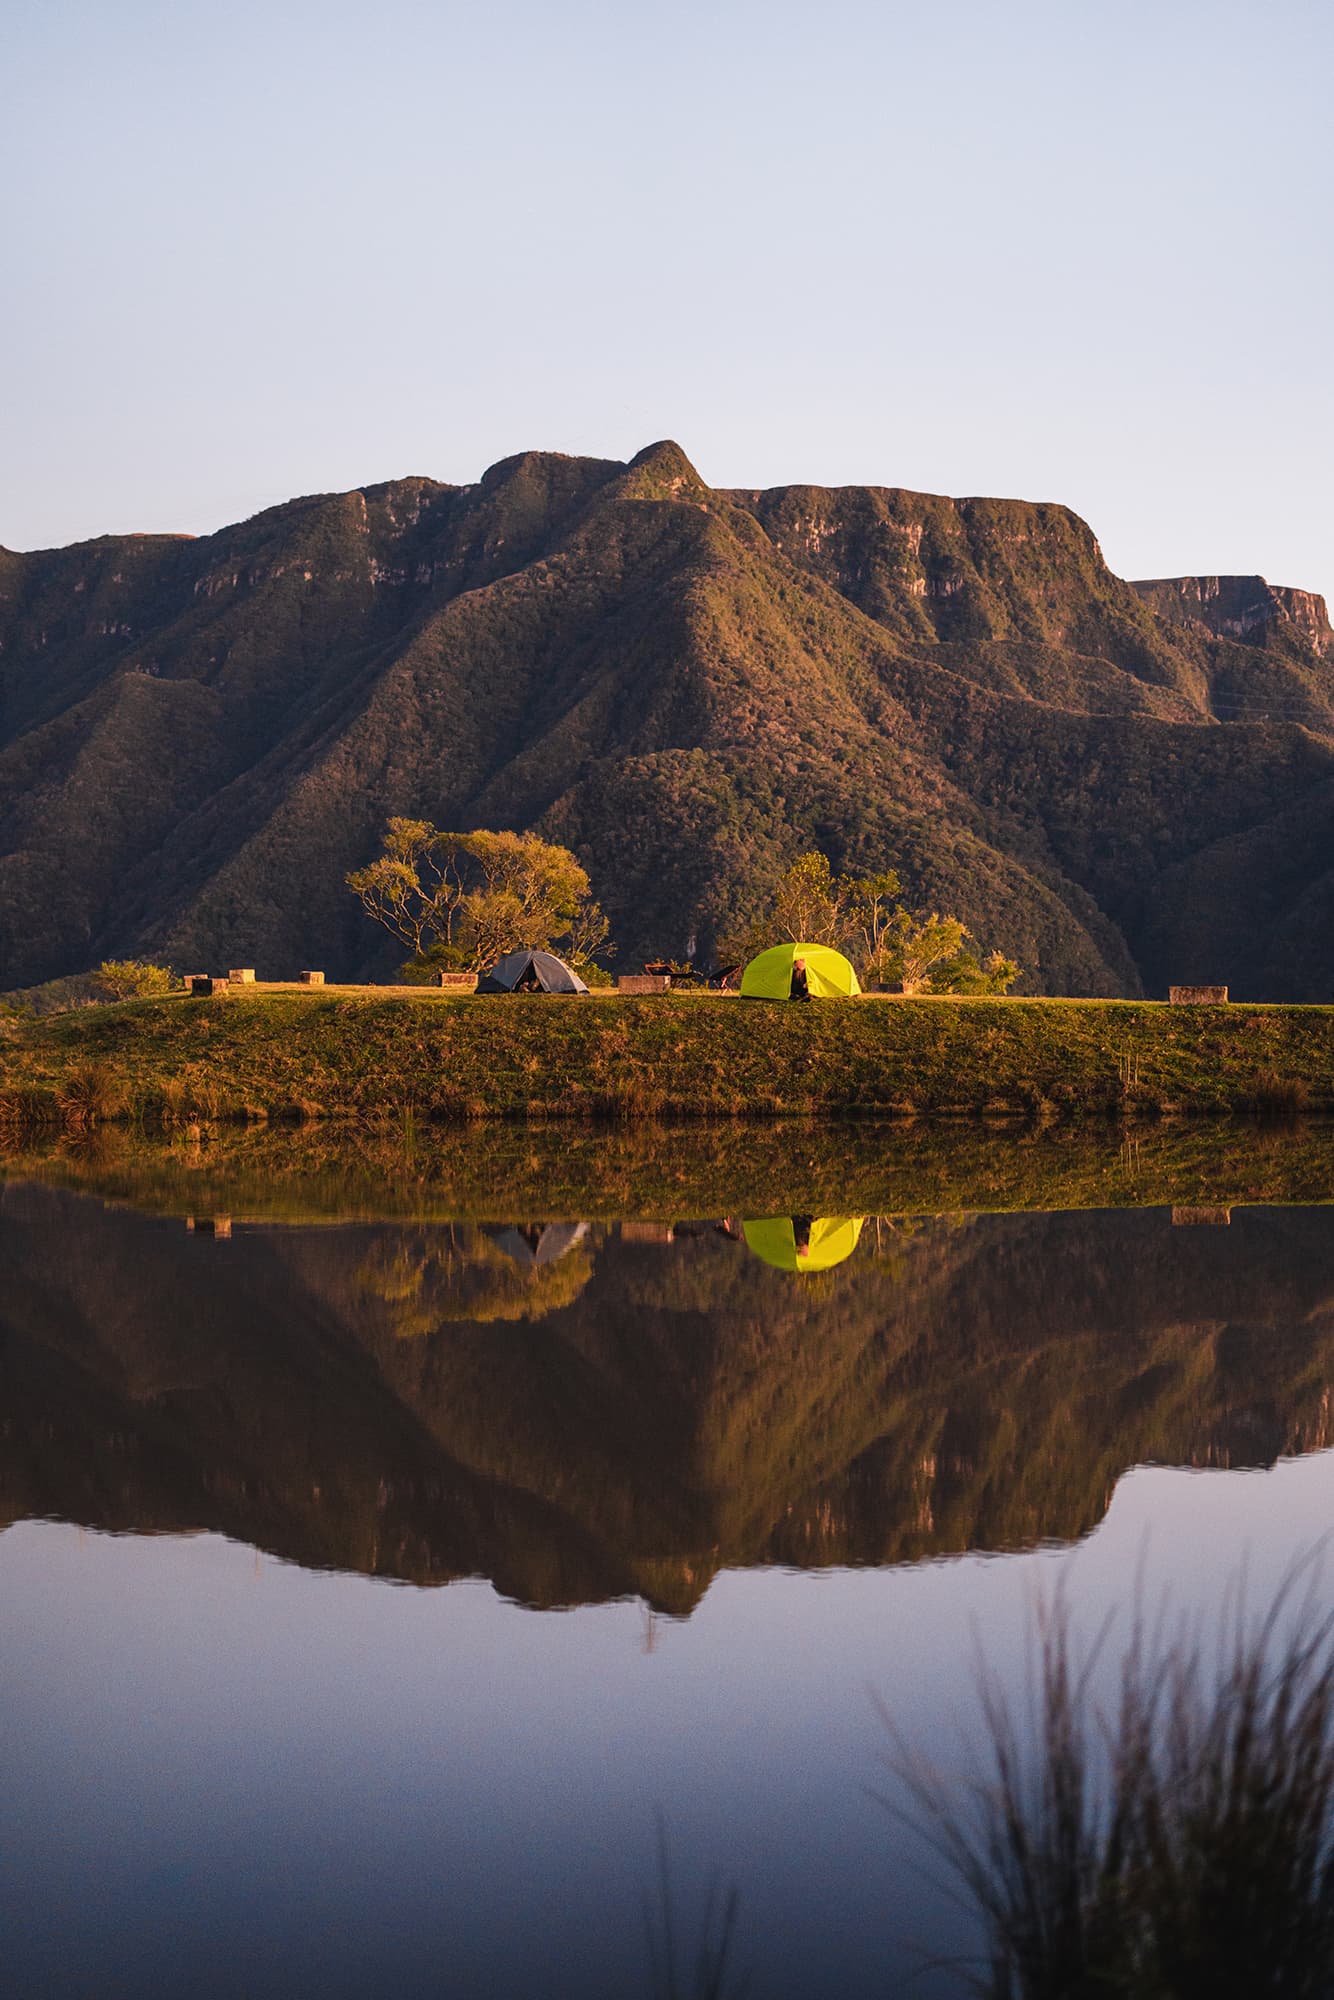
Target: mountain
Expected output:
[1117,784]
[420,1402]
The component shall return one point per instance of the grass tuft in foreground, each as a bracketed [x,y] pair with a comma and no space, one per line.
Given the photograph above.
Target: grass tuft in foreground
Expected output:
[1181,1847]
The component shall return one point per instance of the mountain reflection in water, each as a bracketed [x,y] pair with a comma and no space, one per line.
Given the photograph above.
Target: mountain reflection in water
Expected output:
[579,1412]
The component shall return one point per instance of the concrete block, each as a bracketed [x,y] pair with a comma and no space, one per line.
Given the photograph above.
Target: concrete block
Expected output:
[1196,1218]
[457,982]
[312,978]
[643,982]
[245,976]
[1197,996]
[201,985]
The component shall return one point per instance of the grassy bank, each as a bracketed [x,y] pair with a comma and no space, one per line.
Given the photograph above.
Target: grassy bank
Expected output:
[358,1054]
[359,1171]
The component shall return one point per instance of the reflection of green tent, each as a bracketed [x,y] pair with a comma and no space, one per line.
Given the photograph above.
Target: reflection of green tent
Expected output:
[800,1243]
[828,974]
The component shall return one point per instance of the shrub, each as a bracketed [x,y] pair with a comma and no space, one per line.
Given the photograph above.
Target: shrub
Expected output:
[131,979]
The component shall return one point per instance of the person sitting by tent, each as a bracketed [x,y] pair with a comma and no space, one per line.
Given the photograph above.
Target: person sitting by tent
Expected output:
[799,972]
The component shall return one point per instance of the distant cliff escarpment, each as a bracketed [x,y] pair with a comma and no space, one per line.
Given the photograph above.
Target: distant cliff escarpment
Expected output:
[1117,784]
[1245,608]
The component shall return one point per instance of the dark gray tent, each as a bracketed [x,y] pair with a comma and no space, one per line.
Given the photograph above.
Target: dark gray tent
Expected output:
[531,972]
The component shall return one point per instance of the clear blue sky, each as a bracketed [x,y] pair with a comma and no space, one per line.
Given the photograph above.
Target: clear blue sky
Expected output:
[1047,248]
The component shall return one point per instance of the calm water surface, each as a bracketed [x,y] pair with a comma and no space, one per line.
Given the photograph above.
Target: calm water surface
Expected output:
[372,1592]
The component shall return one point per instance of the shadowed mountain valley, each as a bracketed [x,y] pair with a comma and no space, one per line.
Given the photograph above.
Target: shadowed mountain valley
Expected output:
[578,1413]
[1117,784]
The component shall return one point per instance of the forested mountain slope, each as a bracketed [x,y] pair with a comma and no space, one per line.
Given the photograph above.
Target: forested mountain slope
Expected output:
[1116,784]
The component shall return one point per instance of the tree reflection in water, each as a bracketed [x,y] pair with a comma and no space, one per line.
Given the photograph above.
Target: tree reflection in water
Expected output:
[583,1412]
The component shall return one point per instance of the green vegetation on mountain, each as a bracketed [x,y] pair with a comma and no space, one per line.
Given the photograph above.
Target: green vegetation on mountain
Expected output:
[689,688]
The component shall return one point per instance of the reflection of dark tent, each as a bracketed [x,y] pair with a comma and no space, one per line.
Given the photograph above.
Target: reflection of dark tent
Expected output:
[804,1243]
[531,972]
[541,1243]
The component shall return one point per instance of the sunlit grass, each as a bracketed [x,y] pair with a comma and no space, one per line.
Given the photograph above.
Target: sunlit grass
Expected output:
[330,1053]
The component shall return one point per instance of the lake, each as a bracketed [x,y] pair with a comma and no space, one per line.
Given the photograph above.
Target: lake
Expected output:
[393,1576]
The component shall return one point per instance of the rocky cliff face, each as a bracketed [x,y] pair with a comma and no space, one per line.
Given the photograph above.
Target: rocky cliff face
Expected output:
[199,738]
[1245,608]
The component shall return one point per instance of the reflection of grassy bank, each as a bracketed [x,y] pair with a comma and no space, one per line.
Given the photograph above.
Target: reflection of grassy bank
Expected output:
[410,1400]
[504,1170]
[290,1054]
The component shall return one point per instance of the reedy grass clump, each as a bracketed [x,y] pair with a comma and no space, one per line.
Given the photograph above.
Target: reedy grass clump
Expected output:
[89,1094]
[1276,1096]
[25,1110]
[676,1971]
[1181,1847]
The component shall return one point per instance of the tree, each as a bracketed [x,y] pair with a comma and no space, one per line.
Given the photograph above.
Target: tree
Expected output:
[931,955]
[871,905]
[913,947]
[588,942]
[131,979]
[964,974]
[807,908]
[809,905]
[414,888]
[465,899]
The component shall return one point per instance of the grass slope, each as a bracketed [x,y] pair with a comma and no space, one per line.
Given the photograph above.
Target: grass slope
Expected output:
[356,1054]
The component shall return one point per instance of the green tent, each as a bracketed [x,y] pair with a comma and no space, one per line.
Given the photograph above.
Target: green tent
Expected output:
[800,1243]
[828,974]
